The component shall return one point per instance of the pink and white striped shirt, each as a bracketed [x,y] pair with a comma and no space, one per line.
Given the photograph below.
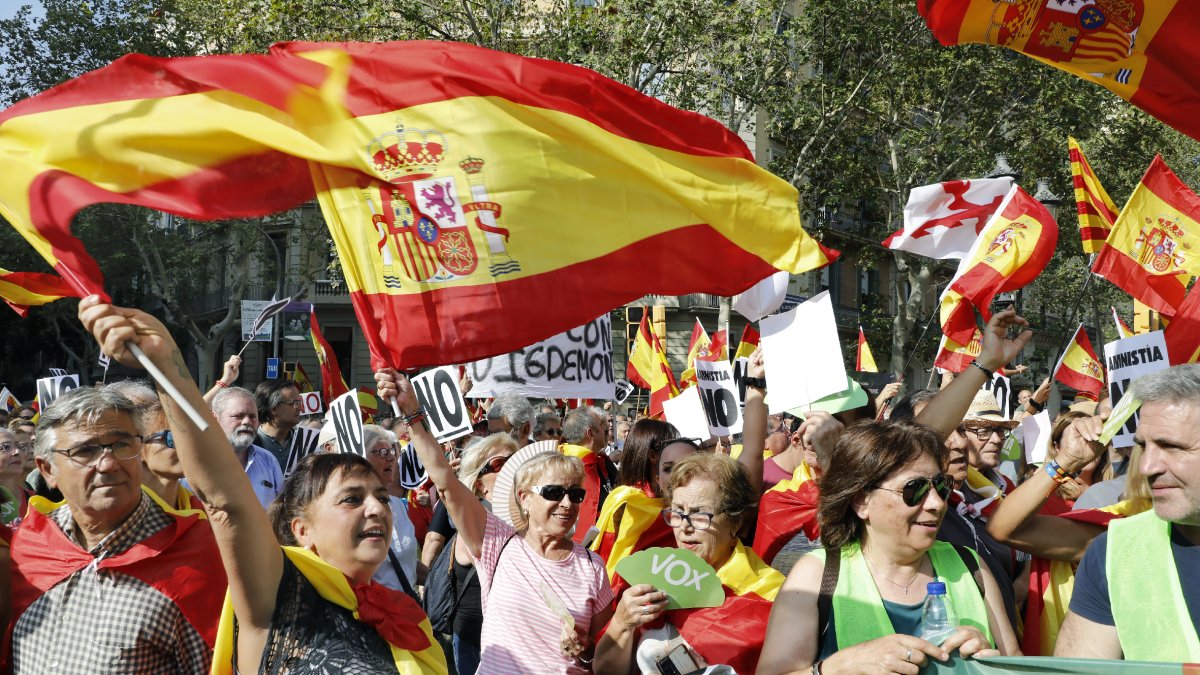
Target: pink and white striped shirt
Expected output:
[521,634]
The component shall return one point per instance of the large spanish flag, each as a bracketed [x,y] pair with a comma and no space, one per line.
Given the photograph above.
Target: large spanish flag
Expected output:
[1137,49]
[1152,248]
[22,290]
[1011,251]
[1096,209]
[526,196]
[786,509]
[1080,368]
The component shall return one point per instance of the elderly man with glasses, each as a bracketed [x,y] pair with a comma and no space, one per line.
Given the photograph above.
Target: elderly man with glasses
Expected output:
[109,581]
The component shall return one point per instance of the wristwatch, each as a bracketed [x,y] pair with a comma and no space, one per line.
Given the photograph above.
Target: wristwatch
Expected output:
[756,382]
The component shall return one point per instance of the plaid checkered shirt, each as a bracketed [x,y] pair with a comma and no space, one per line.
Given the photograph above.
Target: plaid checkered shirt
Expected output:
[103,621]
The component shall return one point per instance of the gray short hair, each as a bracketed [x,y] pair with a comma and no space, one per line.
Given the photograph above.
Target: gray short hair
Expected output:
[373,433]
[139,391]
[82,406]
[229,393]
[1176,384]
[576,424]
[514,408]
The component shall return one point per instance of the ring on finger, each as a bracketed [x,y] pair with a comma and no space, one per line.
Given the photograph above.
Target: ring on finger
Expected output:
[908,656]
[645,609]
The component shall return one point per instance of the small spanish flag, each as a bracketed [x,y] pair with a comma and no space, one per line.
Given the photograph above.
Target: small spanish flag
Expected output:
[748,343]
[301,379]
[21,290]
[1152,249]
[648,368]
[865,363]
[698,348]
[954,357]
[1123,330]
[332,383]
[1080,368]
[1011,251]
[1096,209]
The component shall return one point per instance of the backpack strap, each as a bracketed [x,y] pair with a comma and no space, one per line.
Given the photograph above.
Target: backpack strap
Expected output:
[829,580]
[972,563]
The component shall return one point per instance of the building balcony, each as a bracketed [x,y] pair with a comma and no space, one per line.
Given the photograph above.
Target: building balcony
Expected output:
[704,302]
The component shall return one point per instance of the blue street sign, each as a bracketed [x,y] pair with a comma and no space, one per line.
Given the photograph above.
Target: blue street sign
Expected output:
[272,368]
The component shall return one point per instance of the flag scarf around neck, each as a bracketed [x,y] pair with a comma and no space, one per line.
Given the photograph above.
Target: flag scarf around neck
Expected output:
[1137,49]
[954,357]
[420,655]
[177,561]
[865,362]
[1080,368]
[630,521]
[733,633]
[332,383]
[201,137]
[1151,250]
[526,197]
[787,508]
[22,290]
[1096,209]
[1010,252]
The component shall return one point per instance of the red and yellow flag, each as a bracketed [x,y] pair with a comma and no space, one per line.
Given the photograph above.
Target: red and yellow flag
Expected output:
[786,509]
[1096,210]
[1136,49]
[954,357]
[301,379]
[698,348]
[332,384]
[1080,368]
[1123,330]
[640,367]
[1182,335]
[1151,250]
[865,362]
[484,164]
[21,290]
[748,343]
[718,349]
[1011,251]
[630,521]
[663,386]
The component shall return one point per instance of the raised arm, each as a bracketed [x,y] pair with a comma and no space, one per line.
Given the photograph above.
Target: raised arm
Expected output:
[229,375]
[1017,523]
[253,560]
[754,424]
[466,511]
[945,412]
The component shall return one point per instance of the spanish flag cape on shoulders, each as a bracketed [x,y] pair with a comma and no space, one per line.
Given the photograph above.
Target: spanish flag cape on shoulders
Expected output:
[332,585]
[177,561]
[1052,582]
[786,509]
[595,471]
[733,633]
[630,521]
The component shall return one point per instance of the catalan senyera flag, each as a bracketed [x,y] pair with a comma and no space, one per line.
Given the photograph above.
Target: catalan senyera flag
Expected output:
[1152,248]
[787,508]
[1123,330]
[698,348]
[1136,49]
[865,361]
[483,167]
[954,357]
[1182,335]
[1011,251]
[1080,368]
[22,290]
[1096,209]
[332,384]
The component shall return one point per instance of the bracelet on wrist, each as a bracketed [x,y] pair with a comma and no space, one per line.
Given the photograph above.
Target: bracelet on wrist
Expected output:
[1056,472]
[990,374]
[220,383]
[759,383]
[416,416]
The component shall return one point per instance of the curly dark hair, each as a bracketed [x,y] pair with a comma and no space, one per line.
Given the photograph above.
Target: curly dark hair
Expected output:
[863,457]
[307,483]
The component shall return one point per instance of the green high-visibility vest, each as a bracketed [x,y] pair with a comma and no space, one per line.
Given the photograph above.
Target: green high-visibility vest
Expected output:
[1153,622]
[858,612]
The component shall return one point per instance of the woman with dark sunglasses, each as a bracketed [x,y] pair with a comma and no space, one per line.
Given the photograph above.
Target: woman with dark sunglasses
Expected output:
[882,502]
[545,598]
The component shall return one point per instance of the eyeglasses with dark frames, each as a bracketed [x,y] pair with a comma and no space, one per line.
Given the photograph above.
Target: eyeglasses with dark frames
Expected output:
[699,520]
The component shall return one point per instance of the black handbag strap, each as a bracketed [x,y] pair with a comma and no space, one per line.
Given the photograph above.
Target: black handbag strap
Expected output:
[829,580]
[404,584]
[460,586]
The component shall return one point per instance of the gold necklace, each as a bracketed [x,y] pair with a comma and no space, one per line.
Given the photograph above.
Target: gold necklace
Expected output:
[903,587]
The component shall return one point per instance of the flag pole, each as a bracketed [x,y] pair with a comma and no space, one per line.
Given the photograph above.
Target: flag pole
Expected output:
[162,381]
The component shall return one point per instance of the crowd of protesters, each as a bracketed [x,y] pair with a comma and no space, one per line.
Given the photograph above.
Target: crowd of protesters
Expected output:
[136,541]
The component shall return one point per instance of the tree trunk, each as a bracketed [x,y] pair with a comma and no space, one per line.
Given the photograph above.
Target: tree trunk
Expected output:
[909,314]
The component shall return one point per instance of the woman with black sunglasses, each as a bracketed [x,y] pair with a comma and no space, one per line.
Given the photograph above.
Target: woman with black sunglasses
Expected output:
[545,598]
[882,502]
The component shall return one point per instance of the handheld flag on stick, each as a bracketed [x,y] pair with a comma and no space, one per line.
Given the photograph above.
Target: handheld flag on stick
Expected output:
[1080,368]
[698,348]
[944,219]
[865,363]
[332,384]
[1137,50]
[1151,250]
[718,349]
[748,343]
[1011,251]
[639,369]
[954,357]
[300,378]
[1096,210]
[1122,328]
[21,290]
[273,308]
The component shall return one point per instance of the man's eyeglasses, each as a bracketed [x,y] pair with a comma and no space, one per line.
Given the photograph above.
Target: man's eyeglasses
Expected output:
[700,520]
[165,437]
[555,493]
[915,490]
[295,404]
[983,433]
[90,454]
[493,465]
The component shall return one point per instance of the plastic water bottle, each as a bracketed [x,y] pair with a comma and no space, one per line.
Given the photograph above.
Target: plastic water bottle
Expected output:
[938,620]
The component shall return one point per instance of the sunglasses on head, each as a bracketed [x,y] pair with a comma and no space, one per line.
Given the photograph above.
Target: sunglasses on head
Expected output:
[555,493]
[493,465]
[915,490]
